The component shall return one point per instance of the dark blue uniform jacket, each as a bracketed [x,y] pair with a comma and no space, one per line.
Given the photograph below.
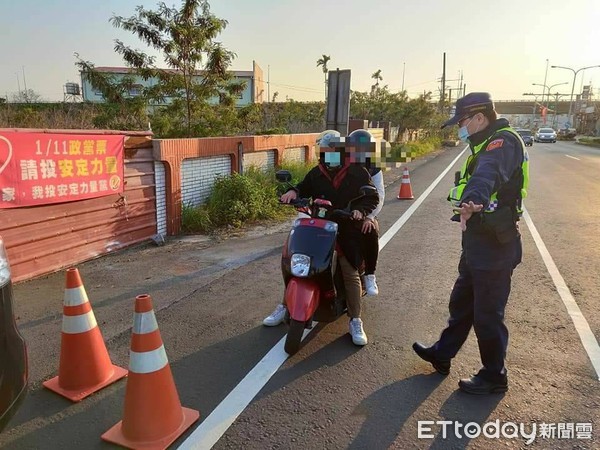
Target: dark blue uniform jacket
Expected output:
[496,164]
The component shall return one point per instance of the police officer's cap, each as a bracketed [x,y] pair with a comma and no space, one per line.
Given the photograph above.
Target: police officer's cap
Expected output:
[469,105]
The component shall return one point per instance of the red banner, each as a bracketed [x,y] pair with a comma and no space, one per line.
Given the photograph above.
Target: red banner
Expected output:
[42,168]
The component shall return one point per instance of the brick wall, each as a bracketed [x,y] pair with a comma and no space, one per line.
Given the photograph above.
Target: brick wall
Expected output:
[198,177]
[184,181]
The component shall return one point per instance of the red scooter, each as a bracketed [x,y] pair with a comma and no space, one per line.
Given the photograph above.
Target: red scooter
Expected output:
[314,287]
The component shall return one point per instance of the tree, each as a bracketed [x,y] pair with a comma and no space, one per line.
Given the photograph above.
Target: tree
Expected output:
[186,39]
[377,77]
[275,95]
[382,105]
[26,96]
[322,62]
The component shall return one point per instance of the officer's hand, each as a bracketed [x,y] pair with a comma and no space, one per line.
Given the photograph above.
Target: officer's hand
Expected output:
[367,226]
[288,196]
[466,211]
[357,215]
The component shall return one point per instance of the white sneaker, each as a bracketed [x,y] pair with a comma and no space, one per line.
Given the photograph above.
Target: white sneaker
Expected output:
[276,316]
[356,331]
[371,285]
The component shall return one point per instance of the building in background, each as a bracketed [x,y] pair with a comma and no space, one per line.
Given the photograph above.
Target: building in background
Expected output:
[254,91]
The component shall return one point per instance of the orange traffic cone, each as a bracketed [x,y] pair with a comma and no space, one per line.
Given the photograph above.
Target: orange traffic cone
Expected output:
[405,192]
[153,416]
[85,365]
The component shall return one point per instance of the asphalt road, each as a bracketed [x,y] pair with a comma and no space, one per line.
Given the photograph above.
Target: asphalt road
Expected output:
[334,395]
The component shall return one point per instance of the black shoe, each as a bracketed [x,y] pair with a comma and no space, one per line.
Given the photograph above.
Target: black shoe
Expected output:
[426,353]
[480,386]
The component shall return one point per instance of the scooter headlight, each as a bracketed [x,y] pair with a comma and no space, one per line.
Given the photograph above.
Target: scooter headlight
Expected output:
[300,265]
[331,227]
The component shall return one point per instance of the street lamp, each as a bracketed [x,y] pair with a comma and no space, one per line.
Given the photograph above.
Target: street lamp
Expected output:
[545,86]
[575,72]
[547,104]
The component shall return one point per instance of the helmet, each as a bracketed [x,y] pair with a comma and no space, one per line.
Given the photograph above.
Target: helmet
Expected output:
[361,144]
[330,154]
[327,136]
[361,136]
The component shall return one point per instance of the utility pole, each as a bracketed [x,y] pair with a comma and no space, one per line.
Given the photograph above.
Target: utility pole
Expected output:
[18,83]
[24,81]
[460,86]
[443,96]
[269,82]
[545,78]
[403,70]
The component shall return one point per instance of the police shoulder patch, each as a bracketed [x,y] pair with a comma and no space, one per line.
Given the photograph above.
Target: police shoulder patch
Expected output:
[496,143]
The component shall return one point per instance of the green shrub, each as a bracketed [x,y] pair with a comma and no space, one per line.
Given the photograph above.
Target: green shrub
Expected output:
[195,219]
[275,130]
[594,142]
[410,150]
[237,200]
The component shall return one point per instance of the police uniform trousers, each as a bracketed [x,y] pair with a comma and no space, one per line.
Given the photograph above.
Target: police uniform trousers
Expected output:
[478,300]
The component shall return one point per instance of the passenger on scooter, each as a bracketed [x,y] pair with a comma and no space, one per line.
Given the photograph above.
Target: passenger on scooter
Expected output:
[360,146]
[336,179]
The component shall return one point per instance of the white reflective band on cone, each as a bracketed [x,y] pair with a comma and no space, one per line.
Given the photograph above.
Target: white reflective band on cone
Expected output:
[148,362]
[144,323]
[75,296]
[79,324]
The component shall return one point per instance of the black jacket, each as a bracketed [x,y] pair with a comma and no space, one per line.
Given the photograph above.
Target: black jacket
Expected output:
[340,188]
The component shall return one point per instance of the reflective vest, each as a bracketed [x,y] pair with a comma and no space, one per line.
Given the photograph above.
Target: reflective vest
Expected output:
[520,177]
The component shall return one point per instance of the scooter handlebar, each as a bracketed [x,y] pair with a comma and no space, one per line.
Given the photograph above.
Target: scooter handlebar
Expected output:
[298,202]
[305,202]
[341,213]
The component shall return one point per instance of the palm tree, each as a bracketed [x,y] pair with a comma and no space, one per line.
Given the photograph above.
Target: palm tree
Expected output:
[323,63]
[377,77]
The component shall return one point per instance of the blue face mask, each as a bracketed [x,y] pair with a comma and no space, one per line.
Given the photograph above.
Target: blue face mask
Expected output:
[463,132]
[332,159]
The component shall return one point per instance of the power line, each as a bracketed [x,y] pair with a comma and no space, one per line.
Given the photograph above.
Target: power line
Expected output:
[293,87]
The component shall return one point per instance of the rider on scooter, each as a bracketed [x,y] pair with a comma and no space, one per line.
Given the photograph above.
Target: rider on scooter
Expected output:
[338,180]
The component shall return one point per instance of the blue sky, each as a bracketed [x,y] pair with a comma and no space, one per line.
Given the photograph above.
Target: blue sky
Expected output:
[500,47]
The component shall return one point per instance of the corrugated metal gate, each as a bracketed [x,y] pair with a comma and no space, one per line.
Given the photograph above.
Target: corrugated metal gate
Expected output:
[44,239]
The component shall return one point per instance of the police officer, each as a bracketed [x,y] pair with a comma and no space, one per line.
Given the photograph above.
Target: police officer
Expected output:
[487,201]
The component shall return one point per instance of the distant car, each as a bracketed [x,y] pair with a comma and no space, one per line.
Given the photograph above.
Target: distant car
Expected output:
[526,135]
[13,352]
[568,133]
[545,135]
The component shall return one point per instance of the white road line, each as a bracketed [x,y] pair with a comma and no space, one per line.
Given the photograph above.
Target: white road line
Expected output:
[222,417]
[572,157]
[389,234]
[590,344]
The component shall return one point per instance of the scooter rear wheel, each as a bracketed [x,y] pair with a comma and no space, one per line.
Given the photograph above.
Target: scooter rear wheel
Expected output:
[294,337]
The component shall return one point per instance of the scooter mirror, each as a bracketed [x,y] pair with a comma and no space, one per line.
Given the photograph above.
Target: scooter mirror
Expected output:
[283,176]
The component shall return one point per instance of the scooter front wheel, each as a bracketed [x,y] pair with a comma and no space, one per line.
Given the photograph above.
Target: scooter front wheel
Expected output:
[294,337]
